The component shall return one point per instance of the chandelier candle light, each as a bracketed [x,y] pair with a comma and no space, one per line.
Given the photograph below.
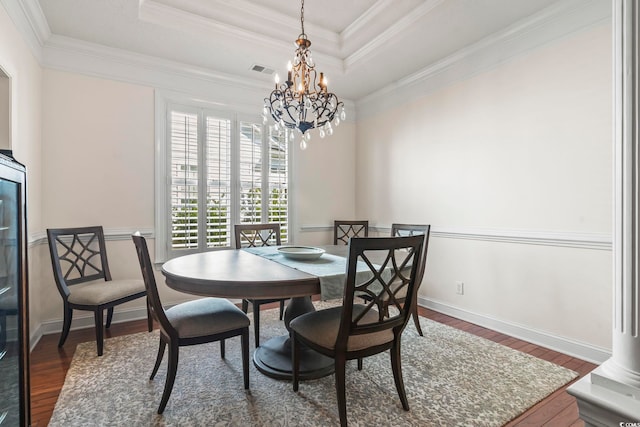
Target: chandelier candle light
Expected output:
[303,102]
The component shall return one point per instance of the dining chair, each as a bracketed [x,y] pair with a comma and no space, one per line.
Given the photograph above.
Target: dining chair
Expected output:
[251,236]
[82,275]
[190,323]
[399,230]
[344,230]
[353,331]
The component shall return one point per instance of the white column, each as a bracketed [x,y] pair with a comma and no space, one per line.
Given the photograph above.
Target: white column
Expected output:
[610,395]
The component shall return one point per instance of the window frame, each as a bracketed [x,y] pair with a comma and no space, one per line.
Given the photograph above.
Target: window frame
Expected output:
[164,105]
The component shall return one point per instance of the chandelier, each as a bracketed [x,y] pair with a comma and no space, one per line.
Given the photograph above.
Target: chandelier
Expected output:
[303,102]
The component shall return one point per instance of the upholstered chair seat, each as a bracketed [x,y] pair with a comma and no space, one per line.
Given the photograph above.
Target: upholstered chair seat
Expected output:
[206,316]
[322,328]
[96,293]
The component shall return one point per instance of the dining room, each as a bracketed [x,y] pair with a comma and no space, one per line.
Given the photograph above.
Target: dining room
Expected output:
[492,121]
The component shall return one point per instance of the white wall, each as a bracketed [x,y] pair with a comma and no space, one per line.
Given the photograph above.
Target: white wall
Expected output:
[26,101]
[525,147]
[98,139]
[5,111]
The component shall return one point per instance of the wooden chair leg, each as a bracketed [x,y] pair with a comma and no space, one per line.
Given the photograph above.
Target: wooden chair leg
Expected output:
[340,365]
[295,361]
[397,373]
[245,306]
[98,315]
[161,348]
[256,323]
[222,348]
[281,309]
[171,376]
[66,326]
[3,331]
[245,357]
[109,317]
[359,363]
[149,316]
[416,319]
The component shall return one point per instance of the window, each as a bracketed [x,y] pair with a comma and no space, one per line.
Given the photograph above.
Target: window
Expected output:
[220,169]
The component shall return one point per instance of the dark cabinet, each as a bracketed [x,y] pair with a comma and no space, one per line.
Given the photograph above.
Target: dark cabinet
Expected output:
[14,321]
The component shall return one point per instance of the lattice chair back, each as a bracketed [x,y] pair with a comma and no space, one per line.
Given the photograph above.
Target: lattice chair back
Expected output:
[155,305]
[400,230]
[344,230]
[256,235]
[381,282]
[78,255]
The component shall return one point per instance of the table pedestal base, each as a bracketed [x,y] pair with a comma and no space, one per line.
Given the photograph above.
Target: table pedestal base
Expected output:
[273,358]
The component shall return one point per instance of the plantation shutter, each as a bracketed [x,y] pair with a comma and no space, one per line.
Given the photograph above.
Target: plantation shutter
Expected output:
[184,180]
[218,142]
[278,182]
[222,170]
[250,148]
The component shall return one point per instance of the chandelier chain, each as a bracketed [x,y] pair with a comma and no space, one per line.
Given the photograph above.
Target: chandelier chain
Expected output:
[302,17]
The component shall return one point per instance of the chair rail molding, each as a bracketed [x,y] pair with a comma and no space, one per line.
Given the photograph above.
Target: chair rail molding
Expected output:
[110,234]
[570,239]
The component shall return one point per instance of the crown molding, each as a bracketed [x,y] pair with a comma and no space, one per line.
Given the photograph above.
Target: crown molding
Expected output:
[365,19]
[553,23]
[276,29]
[171,17]
[393,31]
[30,21]
[239,93]
[67,54]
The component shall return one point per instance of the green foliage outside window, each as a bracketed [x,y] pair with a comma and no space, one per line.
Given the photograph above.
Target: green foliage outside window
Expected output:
[184,217]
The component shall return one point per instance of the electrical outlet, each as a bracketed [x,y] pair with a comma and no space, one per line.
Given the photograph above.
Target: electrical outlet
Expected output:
[459,288]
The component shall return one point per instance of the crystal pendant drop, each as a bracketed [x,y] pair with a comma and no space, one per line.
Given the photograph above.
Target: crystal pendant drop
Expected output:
[329,129]
[303,144]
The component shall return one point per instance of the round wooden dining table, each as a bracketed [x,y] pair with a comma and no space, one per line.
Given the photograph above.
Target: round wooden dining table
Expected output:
[235,273]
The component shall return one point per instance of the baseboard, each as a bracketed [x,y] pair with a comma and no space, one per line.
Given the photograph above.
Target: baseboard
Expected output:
[567,346]
[563,345]
[83,320]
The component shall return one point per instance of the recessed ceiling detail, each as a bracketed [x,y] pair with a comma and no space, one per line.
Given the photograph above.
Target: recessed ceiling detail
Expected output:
[363,45]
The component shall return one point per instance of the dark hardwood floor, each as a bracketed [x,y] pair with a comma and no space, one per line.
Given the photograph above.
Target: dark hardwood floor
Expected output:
[49,365]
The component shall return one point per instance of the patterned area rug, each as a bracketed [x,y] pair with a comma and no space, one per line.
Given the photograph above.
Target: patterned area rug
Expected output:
[452,378]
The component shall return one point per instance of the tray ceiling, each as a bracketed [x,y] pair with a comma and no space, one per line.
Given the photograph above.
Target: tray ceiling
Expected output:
[362,45]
